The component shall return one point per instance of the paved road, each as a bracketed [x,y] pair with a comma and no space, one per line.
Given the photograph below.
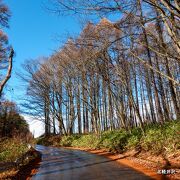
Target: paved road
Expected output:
[65,164]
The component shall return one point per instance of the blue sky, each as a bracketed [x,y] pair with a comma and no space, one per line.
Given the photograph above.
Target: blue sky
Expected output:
[33,33]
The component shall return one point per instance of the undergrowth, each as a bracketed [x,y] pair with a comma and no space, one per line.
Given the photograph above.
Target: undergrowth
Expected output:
[11,149]
[156,139]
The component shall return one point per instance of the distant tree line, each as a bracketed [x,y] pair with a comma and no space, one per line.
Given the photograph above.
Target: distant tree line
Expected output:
[115,75]
[12,124]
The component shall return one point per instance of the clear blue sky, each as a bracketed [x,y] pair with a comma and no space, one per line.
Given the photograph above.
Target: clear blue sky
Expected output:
[32,33]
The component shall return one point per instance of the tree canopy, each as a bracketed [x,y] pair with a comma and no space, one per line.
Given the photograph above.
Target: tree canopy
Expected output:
[115,75]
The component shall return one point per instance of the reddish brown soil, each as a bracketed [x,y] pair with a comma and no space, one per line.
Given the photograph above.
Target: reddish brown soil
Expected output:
[25,171]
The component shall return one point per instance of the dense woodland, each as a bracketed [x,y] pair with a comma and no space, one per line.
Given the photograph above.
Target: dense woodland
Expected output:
[119,74]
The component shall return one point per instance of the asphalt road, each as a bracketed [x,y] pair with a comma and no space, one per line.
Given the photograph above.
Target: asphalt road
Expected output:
[66,164]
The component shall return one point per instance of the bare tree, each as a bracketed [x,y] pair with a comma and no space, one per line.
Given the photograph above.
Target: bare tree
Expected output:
[115,75]
[4,49]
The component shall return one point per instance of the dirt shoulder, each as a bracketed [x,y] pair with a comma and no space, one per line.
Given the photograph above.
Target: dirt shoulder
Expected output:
[28,170]
[146,163]
[24,169]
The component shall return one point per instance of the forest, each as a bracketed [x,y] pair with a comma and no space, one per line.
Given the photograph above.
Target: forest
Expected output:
[112,90]
[114,75]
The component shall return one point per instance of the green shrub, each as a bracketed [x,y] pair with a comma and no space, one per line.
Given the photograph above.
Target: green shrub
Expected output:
[68,140]
[133,142]
[163,138]
[44,141]
[89,141]
[156,139]
[114,140]
[134,138]
[171,132]
[153,140]
[11,149]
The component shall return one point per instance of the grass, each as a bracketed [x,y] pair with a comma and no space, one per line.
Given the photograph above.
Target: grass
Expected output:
[160,139]
[156,139]
[16,159]
[11,149]
[89,141]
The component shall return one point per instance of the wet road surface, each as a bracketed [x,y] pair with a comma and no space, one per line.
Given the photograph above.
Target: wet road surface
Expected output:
[66,164]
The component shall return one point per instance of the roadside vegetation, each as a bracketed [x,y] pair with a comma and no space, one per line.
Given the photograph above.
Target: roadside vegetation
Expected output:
[12,149]
[16,158]
[15,137]
[156,139]
[14,132]
[116,74]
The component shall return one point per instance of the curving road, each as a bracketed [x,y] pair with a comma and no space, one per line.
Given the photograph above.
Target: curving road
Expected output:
[66,164]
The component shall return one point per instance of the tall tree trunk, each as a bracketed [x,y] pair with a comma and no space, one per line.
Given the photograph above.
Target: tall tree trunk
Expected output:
[8,74]
[171,85]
